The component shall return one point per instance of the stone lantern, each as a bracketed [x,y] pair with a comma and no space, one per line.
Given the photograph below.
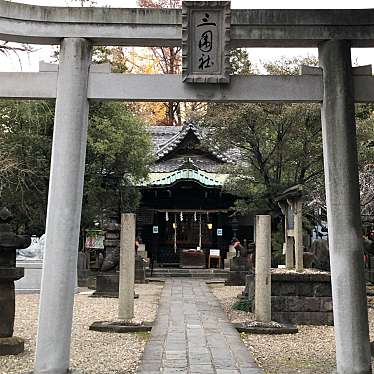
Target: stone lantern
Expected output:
[9,243]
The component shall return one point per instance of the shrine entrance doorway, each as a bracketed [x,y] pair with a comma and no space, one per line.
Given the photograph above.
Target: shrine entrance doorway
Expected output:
[179,224]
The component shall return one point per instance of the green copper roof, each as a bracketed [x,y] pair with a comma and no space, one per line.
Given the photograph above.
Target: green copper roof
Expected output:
[166,179]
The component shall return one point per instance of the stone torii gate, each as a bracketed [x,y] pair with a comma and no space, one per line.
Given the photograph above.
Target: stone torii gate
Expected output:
[76,83]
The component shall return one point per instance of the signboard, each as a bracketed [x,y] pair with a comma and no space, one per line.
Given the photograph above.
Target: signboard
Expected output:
[214,252]
[219,232]
[155,229]
[206,41]
[94,242]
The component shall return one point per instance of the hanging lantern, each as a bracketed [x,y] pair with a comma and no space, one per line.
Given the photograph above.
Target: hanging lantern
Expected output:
[174,225]
[195,217]
[166,216]
[210,226]
[181,216]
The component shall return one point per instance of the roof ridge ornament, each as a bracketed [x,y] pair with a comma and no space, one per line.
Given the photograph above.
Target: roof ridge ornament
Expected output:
[188,164]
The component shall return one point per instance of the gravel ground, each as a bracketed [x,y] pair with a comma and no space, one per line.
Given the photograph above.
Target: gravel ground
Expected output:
[95,352]
[311,351]
[227,296]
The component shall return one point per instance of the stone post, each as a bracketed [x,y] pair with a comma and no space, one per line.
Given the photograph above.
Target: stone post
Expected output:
[290,263]
[263,264]
[64,208]
[343,210]
[288,242]
[297,206]
[127,267]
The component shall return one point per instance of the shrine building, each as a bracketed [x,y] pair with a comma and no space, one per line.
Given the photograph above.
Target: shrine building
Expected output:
[185,212]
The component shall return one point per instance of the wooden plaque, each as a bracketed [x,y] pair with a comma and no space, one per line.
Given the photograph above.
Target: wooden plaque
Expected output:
[206,41]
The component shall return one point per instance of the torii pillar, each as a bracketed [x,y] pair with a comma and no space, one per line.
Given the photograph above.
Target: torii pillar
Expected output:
[343,210]
[64,209]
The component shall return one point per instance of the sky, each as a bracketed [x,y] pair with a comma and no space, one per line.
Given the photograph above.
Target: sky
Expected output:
[362,56]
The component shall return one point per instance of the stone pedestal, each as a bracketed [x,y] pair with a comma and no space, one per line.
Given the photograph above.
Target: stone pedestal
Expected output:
[139,269]
[143,254]
[107,284]
[31,282]
[230,255]
[9,345]
[9,243]
[32,279]
[239,269]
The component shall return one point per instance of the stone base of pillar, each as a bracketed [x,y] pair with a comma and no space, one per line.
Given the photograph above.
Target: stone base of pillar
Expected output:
[70,371]
[11,346]
[121,326]
[140,269]
[32,279]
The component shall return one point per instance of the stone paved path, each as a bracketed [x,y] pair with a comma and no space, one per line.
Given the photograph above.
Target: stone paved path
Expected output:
[192,335]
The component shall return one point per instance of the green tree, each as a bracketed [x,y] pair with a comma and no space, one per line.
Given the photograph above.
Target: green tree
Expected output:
[117,158]
[239,62]
[289,65]
[26,129]
[280,144]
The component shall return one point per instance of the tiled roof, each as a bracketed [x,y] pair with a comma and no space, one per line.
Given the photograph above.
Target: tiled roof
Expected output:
[167,138]
[161,134]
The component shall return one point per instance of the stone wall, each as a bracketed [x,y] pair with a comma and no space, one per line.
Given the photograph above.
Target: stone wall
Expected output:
[301,298]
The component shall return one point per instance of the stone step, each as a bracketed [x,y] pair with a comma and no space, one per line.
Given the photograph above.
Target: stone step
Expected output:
[188,273]
[191,270]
